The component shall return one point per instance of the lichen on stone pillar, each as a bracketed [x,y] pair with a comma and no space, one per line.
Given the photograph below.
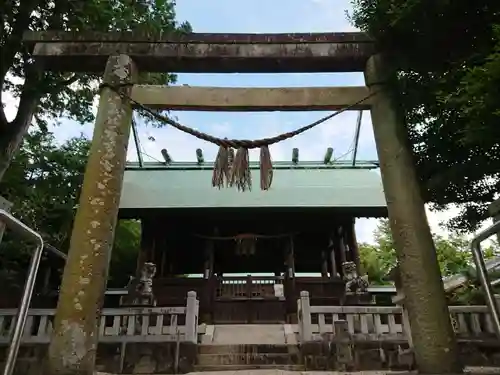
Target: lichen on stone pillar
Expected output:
[73,346]
[433,337]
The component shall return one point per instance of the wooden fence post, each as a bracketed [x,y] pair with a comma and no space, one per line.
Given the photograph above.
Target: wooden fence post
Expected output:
[299,319]
[192,318]
[305,316]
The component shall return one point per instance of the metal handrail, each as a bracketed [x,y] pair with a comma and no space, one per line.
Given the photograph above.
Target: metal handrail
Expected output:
[29,234]
[483,273]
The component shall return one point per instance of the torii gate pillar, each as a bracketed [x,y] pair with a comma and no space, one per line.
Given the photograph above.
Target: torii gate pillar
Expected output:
[433,337]
[73,346]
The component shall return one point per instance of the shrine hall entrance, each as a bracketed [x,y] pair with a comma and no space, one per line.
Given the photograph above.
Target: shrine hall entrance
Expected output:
[250,299]
[249,266]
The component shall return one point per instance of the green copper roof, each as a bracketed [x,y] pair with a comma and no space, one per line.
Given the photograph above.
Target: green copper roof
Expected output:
[312,185]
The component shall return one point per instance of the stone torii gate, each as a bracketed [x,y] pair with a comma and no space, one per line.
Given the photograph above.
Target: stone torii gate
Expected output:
[122,55]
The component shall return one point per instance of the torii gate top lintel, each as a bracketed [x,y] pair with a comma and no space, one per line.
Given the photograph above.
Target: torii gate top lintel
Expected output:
[203,52]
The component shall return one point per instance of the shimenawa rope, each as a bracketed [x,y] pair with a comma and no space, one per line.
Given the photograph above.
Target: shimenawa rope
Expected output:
[229,169]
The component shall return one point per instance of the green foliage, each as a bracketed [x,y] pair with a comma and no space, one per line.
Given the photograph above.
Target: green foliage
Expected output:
[448,54]
[44,179]
[44,184]
[377,260]
[125,252]
[453,254]
[46,96]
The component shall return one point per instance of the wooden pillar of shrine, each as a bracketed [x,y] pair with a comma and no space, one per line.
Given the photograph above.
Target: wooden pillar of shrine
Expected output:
[324,264]
[207,299]
[289,283]
[147,247]
[352,244]
[332,252]
[340,244]
[208,268]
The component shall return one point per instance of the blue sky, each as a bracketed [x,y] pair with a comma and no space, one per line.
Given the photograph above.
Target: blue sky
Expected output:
[262,16]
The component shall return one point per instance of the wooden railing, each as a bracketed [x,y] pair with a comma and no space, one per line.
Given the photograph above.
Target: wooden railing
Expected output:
[250,287]
[472,322]
[121,325]
[383,323]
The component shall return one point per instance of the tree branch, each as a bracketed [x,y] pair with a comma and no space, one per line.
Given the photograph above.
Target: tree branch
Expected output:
[12,45]
[3,118]
[68,81]
[28,99]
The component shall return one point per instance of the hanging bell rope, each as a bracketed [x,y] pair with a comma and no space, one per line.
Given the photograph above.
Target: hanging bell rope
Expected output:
[237,171]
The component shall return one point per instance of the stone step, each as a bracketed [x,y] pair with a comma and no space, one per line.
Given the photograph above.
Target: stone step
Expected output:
[249,356]
[247,348]
[199,368]
[248,359]
[237,334]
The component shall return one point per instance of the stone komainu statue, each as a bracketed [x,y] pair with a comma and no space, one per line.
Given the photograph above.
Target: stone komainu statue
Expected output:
[354,284]
[139,293]
[140,288]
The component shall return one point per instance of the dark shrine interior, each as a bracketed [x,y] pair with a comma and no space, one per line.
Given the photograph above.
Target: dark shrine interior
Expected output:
[179,246]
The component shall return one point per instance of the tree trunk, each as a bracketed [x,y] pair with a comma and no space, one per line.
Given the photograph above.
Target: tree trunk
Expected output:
[12,133]
[10,141]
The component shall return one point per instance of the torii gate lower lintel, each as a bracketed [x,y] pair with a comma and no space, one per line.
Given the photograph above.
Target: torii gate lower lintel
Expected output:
[71,350]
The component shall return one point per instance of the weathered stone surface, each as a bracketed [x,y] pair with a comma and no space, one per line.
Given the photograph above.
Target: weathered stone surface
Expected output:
[159,358]
[73,345]
[31,37]
[245,53]
[425,300]
[372,356]
[250,99]
[223,357]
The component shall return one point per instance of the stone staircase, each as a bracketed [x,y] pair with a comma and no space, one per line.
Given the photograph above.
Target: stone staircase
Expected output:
[249,346]
[248,356]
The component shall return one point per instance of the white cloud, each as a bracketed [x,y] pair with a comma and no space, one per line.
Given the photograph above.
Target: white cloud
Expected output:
[10,102]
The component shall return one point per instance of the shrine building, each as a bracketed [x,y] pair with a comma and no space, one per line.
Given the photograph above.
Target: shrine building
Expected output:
[303,225]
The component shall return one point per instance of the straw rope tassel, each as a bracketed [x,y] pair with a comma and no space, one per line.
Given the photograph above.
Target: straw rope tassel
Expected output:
[230,169]
[240,171]
[221,168]
[266,168]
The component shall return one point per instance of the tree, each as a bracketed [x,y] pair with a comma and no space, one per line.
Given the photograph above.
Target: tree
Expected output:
[448,55]
[45,96]
[378,259]
[453,254]
[44,184]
